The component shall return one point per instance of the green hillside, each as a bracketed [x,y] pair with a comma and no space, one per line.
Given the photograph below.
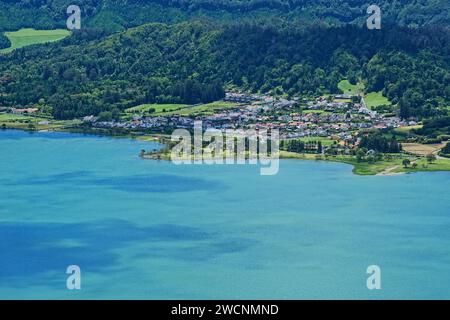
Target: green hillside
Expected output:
[115,15]
[191,62]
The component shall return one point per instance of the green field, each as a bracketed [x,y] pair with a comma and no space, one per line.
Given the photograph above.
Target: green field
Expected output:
[11,117]
[26,37]
[408,129]
[306,111]
[206,109]
[351,89]
[12,121]
[182,109]
[375,99]
[325,141]
[159,108]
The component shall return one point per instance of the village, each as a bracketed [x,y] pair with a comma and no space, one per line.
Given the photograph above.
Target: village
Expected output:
[338,118]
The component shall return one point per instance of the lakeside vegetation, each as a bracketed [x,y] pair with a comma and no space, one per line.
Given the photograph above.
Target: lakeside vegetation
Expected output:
[29,123]
[390,166]
[373,162]
[385,167]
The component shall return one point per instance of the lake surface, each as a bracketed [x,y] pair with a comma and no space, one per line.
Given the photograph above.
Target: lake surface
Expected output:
[153,230]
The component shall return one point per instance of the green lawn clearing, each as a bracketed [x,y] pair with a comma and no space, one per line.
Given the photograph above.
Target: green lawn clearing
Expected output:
[351,89]
[26,37]
[375,99]
[158,108]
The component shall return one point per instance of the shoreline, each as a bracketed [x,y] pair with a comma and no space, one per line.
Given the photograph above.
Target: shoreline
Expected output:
[94,132]
[381,168]
[384,168]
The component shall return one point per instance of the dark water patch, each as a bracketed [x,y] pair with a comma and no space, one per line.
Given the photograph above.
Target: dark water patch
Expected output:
[61,178]
[29,249]
[133,183]
[39,253]
[158,183]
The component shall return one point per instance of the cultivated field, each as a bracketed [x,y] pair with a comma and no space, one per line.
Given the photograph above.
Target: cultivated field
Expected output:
[422,149]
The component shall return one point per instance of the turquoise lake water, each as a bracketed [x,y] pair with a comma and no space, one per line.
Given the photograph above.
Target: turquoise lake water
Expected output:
[152,230]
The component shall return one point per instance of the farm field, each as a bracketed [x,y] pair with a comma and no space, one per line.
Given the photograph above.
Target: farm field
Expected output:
[422,149]
[26,37]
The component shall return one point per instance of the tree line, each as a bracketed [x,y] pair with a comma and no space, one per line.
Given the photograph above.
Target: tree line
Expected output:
[380,143]
[4,41]
[299,146]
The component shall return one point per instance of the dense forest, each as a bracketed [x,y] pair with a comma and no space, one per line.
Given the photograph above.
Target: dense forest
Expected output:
[4,41]
[115,15]
[446,150]
[191,62]
[436,126]
[379,143]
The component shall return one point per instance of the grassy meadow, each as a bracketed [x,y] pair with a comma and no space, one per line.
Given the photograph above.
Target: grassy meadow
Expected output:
[372,99]
[26,37]
[159,108]
[182,109]
[351,89]
[12,121]
[375,99]
[325,141]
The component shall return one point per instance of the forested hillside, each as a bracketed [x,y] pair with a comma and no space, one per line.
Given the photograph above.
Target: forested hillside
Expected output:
[115,15]
[192,61]
[4,41]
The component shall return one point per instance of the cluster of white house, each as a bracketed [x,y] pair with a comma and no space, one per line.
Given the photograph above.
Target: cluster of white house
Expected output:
[320,117]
